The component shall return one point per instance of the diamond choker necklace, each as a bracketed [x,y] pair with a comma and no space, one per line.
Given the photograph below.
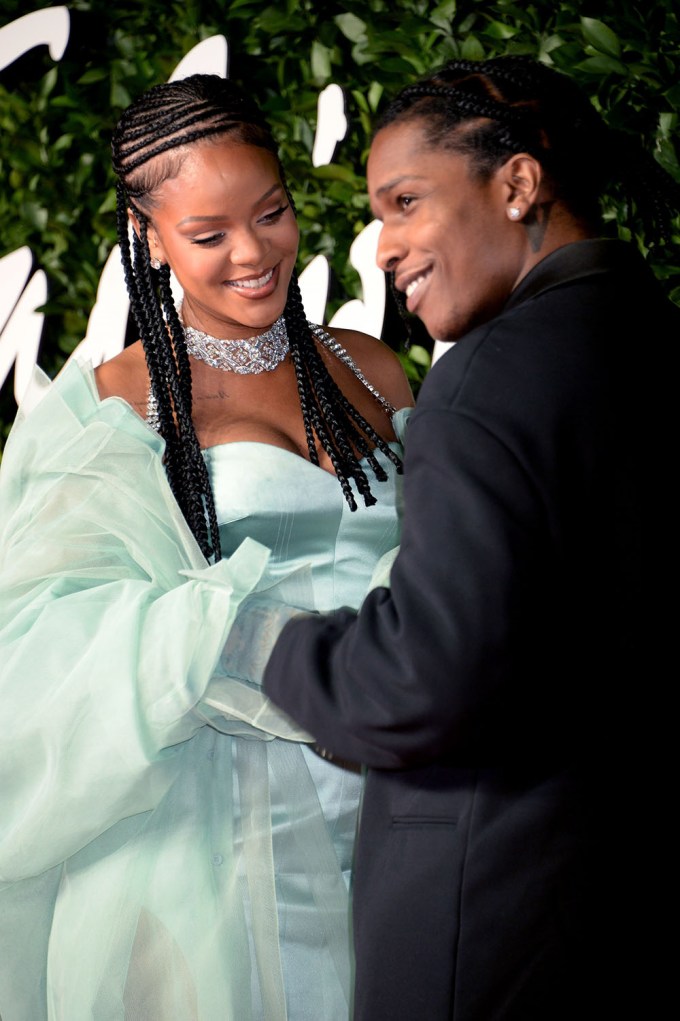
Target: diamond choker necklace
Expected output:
[264,353]
[248,356]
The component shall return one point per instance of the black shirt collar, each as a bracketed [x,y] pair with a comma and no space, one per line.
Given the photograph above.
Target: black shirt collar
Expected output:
[573,262]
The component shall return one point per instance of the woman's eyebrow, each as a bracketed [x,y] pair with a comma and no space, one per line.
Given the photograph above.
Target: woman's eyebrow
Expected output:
[210,219]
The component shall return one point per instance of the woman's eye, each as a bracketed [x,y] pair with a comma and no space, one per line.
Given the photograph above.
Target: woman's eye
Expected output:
[275,215]
[404,201]
[215,239]
[212,240]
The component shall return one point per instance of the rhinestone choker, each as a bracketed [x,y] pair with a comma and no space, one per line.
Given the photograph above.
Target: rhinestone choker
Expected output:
[218,354]
[264,353]
[246,357]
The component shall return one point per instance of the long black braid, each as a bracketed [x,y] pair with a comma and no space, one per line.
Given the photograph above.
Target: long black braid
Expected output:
[160,124]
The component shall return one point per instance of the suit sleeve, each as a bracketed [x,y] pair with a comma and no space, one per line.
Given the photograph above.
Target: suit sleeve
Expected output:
[411,677]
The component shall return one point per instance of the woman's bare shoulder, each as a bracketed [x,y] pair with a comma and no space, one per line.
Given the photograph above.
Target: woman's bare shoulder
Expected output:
[125,376]
[379,364]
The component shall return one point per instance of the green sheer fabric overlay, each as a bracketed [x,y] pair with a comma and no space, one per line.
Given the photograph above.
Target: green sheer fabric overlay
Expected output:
[138,779]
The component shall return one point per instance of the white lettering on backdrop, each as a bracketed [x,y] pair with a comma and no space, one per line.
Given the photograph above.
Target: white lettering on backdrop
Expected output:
[21,324]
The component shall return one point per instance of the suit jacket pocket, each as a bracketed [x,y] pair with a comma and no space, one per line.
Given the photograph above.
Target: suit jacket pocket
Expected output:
[422,822]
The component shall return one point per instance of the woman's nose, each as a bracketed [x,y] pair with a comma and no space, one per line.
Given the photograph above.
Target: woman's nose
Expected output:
[248,248]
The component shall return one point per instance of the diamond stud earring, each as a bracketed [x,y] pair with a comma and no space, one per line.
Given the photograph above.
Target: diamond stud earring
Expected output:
[514,212]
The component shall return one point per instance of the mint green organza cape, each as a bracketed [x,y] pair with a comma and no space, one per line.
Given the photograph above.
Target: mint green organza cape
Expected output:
[125,890]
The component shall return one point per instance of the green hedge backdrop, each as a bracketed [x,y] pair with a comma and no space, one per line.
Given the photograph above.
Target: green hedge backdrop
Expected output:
[56,117]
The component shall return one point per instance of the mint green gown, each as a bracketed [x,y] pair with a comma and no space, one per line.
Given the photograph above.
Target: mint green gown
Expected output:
[171,849]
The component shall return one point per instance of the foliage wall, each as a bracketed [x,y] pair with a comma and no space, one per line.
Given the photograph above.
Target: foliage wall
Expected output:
[56,118]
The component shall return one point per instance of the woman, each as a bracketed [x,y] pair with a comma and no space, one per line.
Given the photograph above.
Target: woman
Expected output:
[162,854]
[501,690]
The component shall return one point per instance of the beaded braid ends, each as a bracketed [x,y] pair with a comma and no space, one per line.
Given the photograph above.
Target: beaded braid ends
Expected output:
[148,148]
[492,109]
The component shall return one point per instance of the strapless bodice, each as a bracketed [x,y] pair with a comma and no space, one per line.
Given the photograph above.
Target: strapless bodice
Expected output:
[298,511]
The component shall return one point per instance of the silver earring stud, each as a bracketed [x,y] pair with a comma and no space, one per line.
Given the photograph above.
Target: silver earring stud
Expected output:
[156,263]
[514,212]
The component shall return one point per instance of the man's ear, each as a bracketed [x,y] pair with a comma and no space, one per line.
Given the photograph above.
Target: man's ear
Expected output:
[521,181]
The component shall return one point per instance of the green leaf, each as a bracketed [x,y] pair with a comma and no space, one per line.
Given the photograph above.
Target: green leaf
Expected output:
[335,172]
[361,54]
[320,61]
[500,30]
[420,355]
[443,14]
[95,74]
[109,203]
[375,93]
[120,97]
[360,99]
[552,42]
[667,122]
[35,215]
[48,82]
[472,49]
[352,28]
[673,96]
[273,21]
[601,65]
[601,37]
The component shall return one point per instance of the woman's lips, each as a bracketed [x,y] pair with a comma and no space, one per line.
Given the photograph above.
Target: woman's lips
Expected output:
[256,287]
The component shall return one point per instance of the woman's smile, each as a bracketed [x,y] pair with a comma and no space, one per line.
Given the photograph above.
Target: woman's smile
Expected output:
[253,283]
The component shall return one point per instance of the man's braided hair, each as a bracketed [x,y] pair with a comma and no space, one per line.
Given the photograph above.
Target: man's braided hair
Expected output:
[490,110]
[162,123]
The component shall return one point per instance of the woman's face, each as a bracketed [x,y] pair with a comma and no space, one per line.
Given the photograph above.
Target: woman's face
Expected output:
[446,234]
[226,229]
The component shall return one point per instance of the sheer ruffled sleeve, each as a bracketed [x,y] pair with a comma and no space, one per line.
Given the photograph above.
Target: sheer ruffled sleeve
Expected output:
[112,625]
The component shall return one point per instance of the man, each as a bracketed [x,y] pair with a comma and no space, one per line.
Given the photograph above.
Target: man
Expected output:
[487,689]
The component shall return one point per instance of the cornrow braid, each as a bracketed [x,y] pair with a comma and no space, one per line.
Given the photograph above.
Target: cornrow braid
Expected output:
[162,123]
[490,110]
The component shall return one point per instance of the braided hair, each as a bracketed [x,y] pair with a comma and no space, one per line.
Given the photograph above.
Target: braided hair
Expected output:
[162,123]
[492,109]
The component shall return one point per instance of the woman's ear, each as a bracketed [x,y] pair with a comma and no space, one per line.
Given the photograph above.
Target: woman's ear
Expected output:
[521,179]
[155,249]
[134,221]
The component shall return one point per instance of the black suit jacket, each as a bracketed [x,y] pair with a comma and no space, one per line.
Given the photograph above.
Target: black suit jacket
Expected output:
[490,689]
